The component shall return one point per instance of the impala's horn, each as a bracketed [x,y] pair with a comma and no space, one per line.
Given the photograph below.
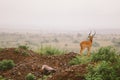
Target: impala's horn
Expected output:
[94,33]
[90,33]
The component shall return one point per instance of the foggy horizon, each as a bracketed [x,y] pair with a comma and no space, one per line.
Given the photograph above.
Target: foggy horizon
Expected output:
[67,15]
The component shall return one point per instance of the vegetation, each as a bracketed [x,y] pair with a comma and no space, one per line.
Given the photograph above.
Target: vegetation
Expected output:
[8,40]
[102,65]
[79,60]
[44,77]
[23,47]
[6,64]
[76,41]
[48,50]
[30,76]
[106,67]
[96,44]
[22,50]
[55,40]
[24,53]
[105,54]
[102,71]
[1,49]
[2,78]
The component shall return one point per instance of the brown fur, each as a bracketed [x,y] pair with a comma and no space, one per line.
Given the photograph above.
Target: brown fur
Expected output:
[87,44]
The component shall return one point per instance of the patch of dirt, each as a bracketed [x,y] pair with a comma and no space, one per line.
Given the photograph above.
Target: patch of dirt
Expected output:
[34,62]
[72,73]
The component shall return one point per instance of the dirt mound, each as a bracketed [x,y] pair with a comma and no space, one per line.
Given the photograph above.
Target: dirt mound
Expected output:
[33,63]
[10,54]
[72,73]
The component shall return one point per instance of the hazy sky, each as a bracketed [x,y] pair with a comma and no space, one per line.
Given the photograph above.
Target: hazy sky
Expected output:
[60,14]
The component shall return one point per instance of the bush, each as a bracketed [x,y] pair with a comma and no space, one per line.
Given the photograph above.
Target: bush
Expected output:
[116,42]
[23,52]
[17,50]
[30,76]
[105,54]
[6,64]
[96,44]
[103,71]
[79,60]
[55,40]
[1,78]
[75,41]
[1,49]
[48,50]
[23,47]
[44,77]
[107,65]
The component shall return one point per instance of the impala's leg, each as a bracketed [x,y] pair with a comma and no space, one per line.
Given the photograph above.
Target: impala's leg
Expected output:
[88,51]
[81,50]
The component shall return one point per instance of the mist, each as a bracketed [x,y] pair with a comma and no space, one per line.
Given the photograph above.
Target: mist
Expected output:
[60,15]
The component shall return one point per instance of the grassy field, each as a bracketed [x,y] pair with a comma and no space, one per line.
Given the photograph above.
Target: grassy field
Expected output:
[51,49]
[66,41]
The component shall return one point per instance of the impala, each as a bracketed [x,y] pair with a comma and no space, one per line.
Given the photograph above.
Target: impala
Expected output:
[87,44]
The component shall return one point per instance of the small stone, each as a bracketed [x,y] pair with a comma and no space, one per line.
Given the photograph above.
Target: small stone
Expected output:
[19,73]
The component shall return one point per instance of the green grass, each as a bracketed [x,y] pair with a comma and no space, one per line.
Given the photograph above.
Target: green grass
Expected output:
[6,64]
[104,54]
[1,49]
[44,77]
[49,50]
[106,67]
[2,78]
[103,64]
[25,47]
[30,76]
[79,60]
[23,52]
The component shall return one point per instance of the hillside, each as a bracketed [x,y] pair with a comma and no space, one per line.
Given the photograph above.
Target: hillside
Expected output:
[34,62]
[104,64]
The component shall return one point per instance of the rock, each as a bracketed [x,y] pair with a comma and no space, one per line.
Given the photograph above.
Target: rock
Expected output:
[19,73]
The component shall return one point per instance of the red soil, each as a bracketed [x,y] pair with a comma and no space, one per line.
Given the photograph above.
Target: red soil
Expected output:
[34,62]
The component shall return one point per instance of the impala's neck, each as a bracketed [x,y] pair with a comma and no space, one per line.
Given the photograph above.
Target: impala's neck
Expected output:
[91,40]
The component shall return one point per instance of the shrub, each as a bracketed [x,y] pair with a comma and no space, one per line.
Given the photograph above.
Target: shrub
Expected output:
[23,47]
[75,61]
[6,64]
[105,54]
[107,65]
[44,77]
[55,40]
[116,42]
[1,78]
[30,76]
[75,41]
[96,44]
[48,50]
[1,49]
[19,51]
[79,60]
[103,71]
[25,53]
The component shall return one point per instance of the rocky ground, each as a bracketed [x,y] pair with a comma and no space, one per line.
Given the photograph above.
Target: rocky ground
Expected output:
[33,62]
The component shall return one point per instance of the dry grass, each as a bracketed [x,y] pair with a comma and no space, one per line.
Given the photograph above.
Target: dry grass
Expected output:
[67,41]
